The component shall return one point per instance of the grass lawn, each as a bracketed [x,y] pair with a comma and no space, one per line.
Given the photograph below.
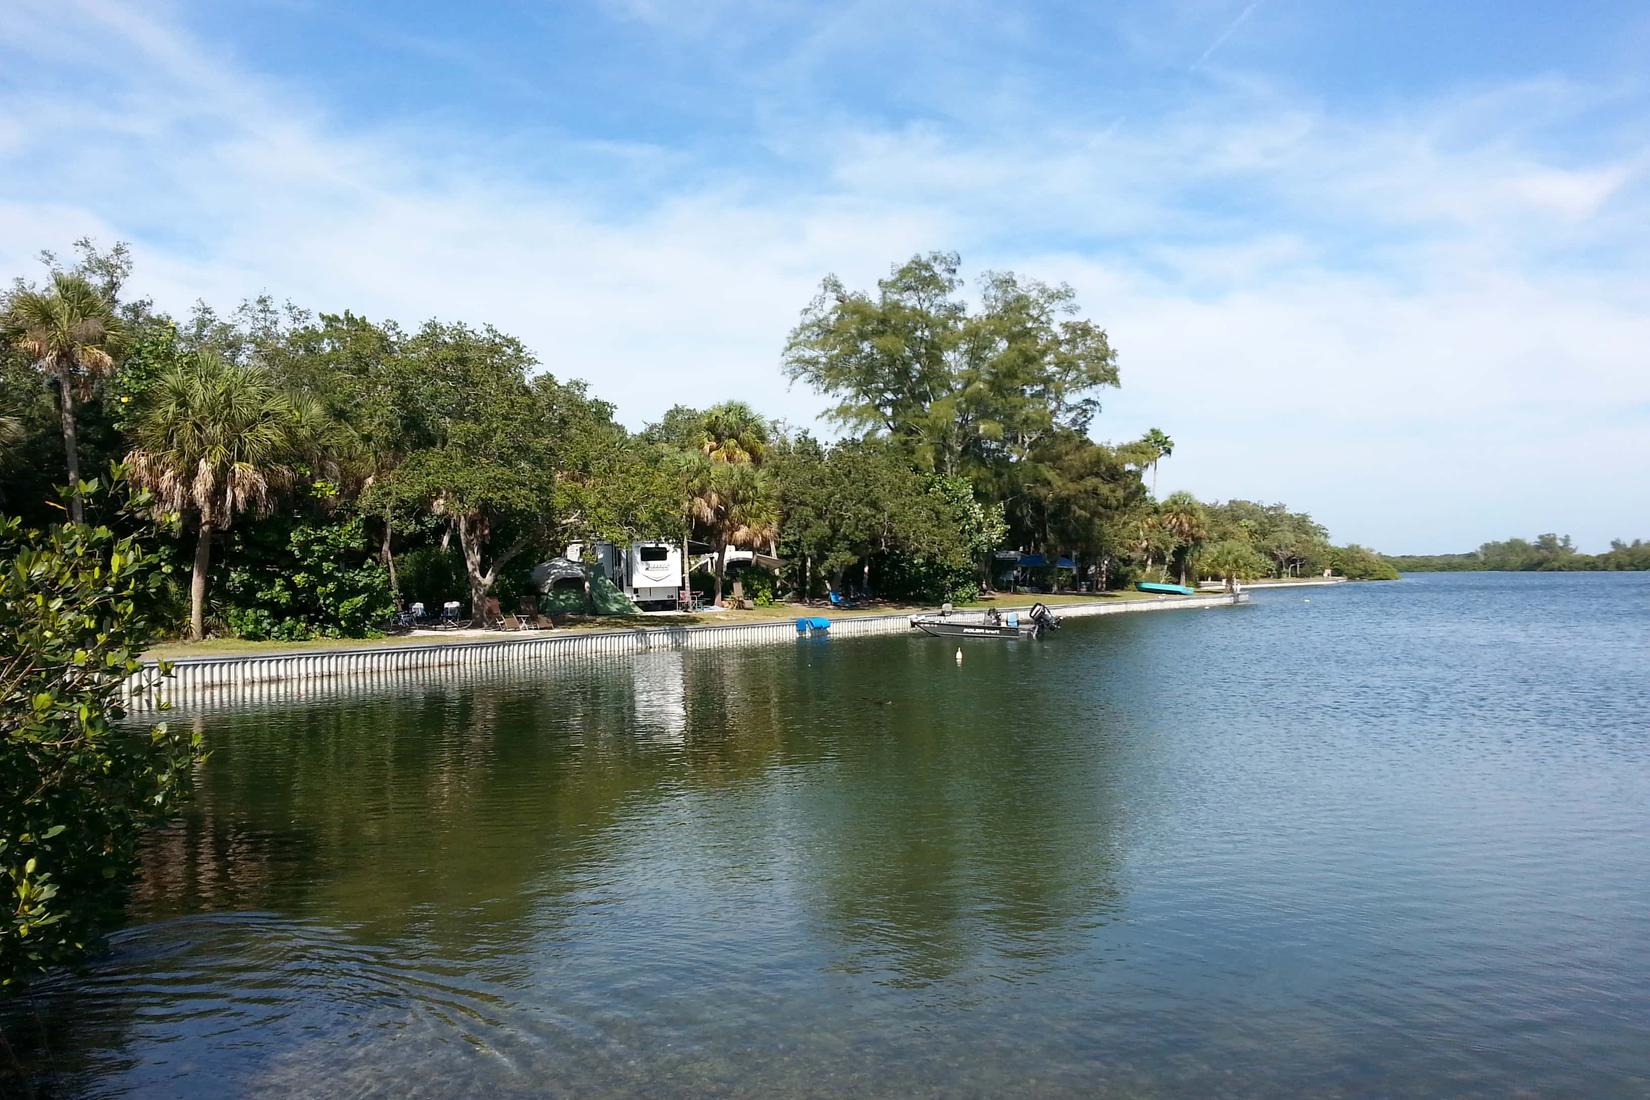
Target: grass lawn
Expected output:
[238,647]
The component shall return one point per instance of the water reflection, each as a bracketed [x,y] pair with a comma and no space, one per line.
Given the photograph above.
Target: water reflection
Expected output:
[862,868]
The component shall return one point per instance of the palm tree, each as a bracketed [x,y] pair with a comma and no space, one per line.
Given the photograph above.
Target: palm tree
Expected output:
[1161,447]
[71,331]
[734,503]
[215,440]
[1183,517]
[734,432]
[1233,560]
[731,497]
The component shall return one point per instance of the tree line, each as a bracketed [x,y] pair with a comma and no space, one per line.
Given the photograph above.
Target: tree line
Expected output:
[277,473]
[1550,552]
[321,468]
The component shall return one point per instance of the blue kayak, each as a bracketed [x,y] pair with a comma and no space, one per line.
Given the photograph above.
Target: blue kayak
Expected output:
[1167,589]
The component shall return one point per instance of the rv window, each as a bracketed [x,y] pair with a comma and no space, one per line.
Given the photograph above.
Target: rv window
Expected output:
[655,553]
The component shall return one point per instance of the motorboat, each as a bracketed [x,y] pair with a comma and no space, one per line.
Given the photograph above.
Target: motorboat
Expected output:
[1008,625]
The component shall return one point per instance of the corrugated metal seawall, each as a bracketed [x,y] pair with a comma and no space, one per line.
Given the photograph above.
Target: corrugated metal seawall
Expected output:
[195,680]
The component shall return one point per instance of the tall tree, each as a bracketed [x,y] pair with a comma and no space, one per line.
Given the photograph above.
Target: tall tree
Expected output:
[953,387]
[1076,498]
[731,497]
[1232,560]
[512,465]
[1161,447]
[215,441]
[71,331]
[1184,518]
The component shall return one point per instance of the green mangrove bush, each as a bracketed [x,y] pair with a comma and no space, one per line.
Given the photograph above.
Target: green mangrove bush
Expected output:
[77,606]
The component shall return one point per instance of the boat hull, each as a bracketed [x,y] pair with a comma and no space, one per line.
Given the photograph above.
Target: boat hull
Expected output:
[1165,589]
[941,628]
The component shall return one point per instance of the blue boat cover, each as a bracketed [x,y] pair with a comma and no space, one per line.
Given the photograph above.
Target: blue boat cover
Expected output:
[1032,561]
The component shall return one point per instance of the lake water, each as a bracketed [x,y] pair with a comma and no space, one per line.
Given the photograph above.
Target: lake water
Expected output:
[1375,840]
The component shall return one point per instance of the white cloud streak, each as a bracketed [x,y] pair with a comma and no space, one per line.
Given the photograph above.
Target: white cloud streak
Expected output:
[1231,28]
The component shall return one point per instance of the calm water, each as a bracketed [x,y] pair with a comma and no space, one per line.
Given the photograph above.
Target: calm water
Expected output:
[1381,840]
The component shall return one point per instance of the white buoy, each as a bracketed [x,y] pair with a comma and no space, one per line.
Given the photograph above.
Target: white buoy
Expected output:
[959,655]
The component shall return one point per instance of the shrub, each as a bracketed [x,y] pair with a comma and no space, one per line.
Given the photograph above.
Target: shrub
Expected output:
[319,580]
[1359,563]
[760,586]
[77,607]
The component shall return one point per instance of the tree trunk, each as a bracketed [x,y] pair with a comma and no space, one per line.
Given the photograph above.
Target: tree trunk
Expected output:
[469,541]
[65,404]
[197,584]
[721,571]
[389,562]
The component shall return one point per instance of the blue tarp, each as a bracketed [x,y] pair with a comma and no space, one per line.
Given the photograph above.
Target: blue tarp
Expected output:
[1032,561]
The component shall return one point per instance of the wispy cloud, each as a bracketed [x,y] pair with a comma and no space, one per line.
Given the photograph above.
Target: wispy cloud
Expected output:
[1231,29]
[1372,313]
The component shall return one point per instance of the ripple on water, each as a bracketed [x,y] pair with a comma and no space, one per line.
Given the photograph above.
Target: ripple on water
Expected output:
[1391,841]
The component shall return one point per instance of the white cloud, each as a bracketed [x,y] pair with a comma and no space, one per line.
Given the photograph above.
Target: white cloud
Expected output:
[1387,320]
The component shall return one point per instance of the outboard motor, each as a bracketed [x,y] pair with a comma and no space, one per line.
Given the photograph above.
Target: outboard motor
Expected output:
[1042,618]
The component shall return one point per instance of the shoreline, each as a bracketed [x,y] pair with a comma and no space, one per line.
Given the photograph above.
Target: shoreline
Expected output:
[1303,582]
[238,675]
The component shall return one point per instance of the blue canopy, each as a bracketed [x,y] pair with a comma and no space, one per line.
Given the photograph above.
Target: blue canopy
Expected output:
[1032,561]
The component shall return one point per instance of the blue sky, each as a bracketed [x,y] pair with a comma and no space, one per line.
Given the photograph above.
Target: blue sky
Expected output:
[1388,263]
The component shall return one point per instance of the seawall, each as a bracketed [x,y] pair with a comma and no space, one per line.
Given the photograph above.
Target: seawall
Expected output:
[197,680]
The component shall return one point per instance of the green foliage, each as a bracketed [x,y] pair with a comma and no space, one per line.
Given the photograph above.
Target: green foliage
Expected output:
[77,607]
[306,580]
[761,587]
[1232,560]
[925,579]
[1359,563]
[70,330]
[151,353]
[1295,544]
[955,389]
[980,527]
[513,464]
[716,463]
[431,575]
[462,467]
[1546,553]
[214,440]
[860,501]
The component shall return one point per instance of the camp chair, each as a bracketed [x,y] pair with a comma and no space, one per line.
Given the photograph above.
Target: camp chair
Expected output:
[840,602]
[530,617]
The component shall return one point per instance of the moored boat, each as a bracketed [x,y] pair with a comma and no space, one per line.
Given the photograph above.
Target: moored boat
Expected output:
[1010,626]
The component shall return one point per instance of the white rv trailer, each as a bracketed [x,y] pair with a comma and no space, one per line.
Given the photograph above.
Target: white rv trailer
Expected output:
[653,573]
[650,573]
